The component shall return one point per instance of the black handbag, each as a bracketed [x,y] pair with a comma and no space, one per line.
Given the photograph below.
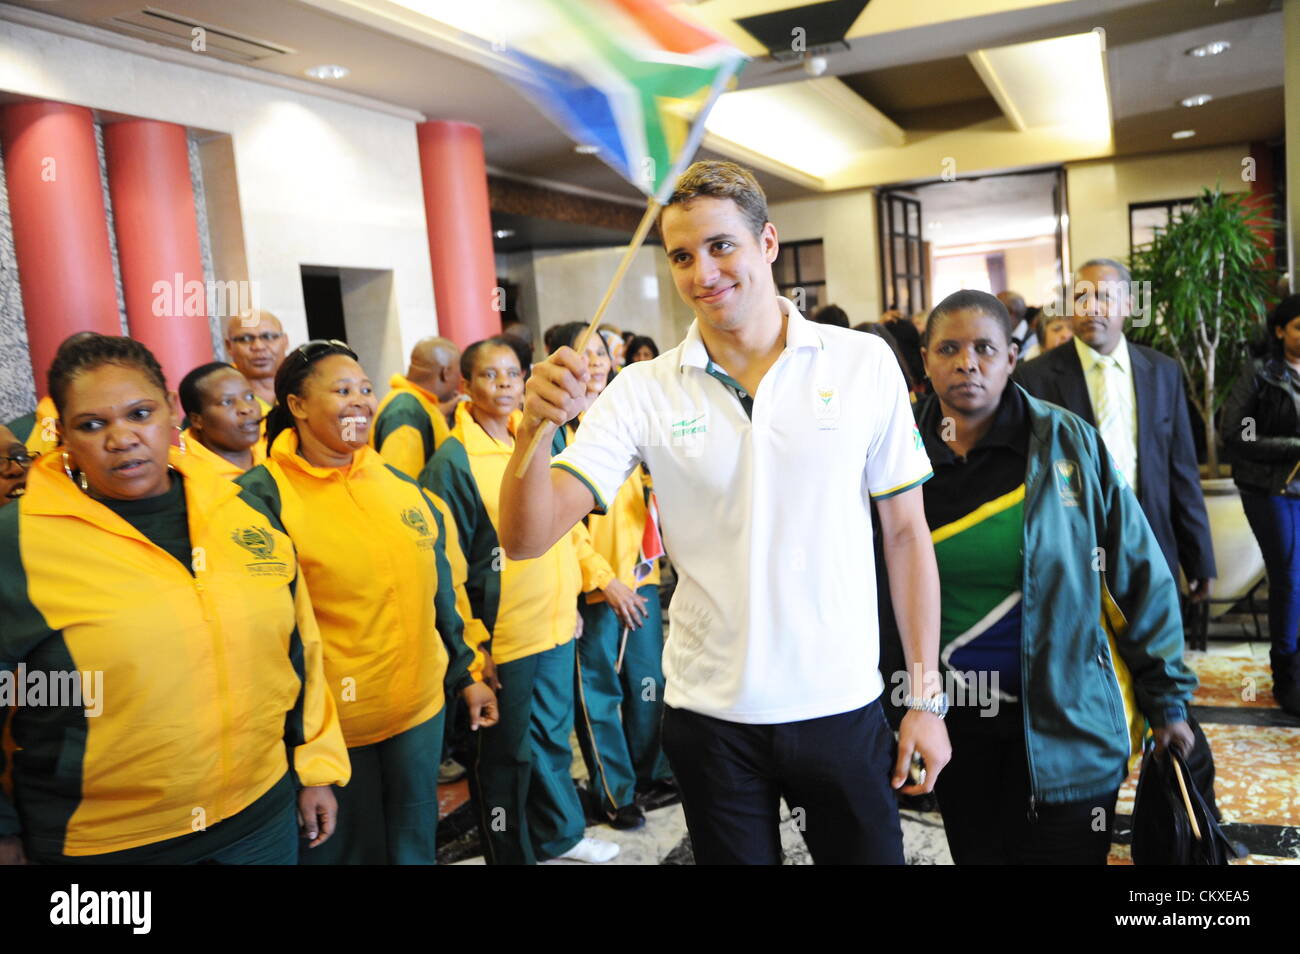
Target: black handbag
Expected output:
[1172,824]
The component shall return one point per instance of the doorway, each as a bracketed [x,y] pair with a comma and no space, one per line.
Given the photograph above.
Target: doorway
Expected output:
[994,233]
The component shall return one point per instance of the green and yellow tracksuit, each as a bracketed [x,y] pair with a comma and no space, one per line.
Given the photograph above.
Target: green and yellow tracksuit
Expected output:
[383,561]
[619,710]
[211,669]
[409,426]
[230,471]
[528,806]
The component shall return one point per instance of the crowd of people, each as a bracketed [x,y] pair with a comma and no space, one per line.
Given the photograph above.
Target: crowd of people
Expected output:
[311,606]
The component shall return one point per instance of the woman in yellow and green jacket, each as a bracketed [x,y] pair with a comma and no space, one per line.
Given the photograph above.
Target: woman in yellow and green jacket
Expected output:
[520,779]
[386,572]
[620,674]
[159,644]
[225,419]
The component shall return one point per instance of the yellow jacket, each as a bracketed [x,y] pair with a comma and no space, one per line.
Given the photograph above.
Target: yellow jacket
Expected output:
[218,463]
[528,606]
[409,426]
[42,439]
[206,676]
[384,564]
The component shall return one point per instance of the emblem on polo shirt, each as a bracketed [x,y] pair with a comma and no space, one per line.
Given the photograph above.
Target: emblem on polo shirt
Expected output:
[1067,481]
[826,407]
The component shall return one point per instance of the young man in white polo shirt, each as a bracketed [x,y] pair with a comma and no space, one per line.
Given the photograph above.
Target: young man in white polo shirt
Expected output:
[766,436]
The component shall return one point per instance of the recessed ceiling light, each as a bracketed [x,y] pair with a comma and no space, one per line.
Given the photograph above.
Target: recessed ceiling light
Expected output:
[1184,134]
[585,149]
[1210,49]
[1200,99]
[328,71]
[936,224]
[504,233]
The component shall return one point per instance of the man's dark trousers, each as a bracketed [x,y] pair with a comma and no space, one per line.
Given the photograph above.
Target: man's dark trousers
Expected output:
[833,773]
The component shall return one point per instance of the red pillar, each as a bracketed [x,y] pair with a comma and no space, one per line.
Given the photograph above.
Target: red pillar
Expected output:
[158,242]
[56,200]
[460,230]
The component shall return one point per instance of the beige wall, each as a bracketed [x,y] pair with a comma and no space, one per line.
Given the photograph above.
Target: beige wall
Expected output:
[567,285]
[846,223]
[319,182]
[1100,192]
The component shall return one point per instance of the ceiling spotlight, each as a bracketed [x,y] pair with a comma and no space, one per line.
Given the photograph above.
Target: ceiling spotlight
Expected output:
[936,224]
[815,65]
[1200,99]
[328,71]
[584,149]
[1184,134]
[1210,49]
[504,233]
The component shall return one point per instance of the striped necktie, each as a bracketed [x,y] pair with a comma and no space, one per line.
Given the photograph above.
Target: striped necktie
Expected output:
[1112,423]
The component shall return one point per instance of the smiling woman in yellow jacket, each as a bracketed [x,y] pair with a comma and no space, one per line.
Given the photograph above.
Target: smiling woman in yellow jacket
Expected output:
[158,643]
[528,806]
[387,578]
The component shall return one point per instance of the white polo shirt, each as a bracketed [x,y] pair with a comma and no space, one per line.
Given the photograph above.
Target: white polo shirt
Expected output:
[767,520]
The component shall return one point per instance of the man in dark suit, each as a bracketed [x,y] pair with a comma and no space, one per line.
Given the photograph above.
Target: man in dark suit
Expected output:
[1134,396]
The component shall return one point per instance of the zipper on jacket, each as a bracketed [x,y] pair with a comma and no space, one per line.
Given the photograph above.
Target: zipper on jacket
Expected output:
[1032,814]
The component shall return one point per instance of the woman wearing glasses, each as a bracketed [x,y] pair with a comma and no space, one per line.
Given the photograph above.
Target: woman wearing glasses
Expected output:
[184,717]
[387,578]
[15,459]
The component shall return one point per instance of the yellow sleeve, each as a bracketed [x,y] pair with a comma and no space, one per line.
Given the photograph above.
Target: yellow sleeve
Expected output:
[596,571]
[322,757]
[404,449]
[475,633]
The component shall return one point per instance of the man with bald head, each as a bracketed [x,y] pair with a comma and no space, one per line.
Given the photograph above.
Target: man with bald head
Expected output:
[256,344]
[412,419]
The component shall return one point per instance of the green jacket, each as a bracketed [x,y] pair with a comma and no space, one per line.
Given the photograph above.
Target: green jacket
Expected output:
[1102,643]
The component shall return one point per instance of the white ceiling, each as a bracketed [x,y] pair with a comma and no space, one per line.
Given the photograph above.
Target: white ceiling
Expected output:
[992,209]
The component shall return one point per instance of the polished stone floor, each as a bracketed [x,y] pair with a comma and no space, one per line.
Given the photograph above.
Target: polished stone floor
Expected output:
[1256,750]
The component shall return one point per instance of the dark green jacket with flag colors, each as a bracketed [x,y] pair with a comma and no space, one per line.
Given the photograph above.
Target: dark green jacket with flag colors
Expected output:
[1102,637]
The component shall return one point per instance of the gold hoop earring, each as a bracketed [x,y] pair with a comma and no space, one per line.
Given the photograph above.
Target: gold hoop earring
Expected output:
[80,477]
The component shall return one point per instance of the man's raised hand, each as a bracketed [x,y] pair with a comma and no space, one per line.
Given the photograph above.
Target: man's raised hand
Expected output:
[557,390]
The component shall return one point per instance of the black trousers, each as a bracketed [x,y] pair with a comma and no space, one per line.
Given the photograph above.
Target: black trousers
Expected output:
[833,773]
[984,797]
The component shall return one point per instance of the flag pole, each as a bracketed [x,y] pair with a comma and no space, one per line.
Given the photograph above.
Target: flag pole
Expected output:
[642,230]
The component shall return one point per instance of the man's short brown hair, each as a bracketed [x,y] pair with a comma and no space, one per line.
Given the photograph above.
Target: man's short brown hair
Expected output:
[719,179]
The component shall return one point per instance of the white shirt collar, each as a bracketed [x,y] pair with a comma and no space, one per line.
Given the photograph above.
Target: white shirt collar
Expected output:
[799,333]
[1091,358]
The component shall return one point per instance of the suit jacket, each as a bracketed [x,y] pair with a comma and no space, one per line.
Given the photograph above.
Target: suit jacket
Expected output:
[1169,485]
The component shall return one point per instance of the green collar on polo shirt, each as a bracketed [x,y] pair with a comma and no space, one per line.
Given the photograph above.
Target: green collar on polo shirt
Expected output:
[799,333]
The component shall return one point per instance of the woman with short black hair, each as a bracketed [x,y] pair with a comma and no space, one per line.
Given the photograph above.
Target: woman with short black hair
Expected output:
[1052,671]
[152,577]
[225,420]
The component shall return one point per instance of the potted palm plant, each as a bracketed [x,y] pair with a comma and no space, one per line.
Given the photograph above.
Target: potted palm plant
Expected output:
[1209,291]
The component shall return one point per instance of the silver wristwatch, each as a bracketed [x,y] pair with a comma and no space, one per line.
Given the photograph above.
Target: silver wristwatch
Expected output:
[935,705]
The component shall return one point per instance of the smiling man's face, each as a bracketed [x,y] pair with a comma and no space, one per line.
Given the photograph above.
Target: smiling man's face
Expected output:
[721,269]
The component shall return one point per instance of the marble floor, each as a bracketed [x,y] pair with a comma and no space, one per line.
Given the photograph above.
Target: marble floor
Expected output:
[1256,750]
